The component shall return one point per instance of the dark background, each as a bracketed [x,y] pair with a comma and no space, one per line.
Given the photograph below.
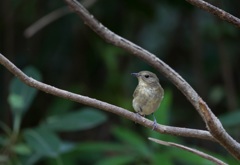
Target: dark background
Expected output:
[203,49]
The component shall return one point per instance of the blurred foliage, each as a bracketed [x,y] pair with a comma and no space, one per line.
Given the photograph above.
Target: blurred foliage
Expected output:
[29,145]
[37,128]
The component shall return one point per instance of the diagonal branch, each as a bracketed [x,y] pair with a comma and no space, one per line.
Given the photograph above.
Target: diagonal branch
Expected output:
[216,11]
[212,122]
[199,153]
[51,17]
[44,21]
[103,105]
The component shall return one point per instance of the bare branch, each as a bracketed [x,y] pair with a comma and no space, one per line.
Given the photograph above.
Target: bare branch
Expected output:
[199,153]
[213,124]
[51,17]
[103,105]
[44,21]
[216,11]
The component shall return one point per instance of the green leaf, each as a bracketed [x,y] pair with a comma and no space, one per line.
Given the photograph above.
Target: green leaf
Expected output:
[188,158]
[21,149]
[43,141]
[216,94]
[67,147]
[21,95]
[59,106]
[16,101]
[163,158]
[31,159]
[92,152]
[4,140]
[133,140]
[83,119]
[117,160]
[101,147]
[35,157]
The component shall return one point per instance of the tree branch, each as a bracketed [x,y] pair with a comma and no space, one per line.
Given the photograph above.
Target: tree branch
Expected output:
[44,21]
[199,153]
[213,124]
[103,105]
[51,17]
[216,11]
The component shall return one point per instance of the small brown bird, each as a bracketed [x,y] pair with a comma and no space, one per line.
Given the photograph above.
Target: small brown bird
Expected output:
[148,94]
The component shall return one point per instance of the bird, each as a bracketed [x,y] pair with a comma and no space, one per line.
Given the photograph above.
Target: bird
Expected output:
[148,94]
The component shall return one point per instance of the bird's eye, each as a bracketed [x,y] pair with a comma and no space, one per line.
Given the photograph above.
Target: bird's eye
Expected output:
[146,76]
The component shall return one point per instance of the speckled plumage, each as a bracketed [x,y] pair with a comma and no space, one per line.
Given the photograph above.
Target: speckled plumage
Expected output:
[148,94]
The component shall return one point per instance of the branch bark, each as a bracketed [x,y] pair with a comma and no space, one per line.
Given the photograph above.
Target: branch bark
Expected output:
[199,153]
[194,133]
[216,11]
[51,17]
[213,124]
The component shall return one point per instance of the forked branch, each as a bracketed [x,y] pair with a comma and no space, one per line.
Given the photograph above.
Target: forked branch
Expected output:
[102,105]
[213,124]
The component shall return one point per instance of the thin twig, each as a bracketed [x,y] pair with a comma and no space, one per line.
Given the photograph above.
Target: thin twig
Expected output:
[44,21]
[212,122]
[51,17]
[199,153]
[216,11]
[194,133]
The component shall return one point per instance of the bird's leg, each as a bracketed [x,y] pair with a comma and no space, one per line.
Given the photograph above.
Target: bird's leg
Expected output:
[154,122]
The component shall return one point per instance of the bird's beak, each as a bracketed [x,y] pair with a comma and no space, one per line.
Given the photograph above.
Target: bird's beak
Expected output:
[135,74]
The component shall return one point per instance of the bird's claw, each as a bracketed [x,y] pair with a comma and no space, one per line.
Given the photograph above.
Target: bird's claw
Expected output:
[154,123]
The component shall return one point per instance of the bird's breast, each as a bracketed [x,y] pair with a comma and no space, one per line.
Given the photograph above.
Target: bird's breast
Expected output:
[147,100]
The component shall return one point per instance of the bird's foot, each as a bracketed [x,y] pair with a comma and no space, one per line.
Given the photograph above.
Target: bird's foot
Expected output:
[154,122]
[138,116]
